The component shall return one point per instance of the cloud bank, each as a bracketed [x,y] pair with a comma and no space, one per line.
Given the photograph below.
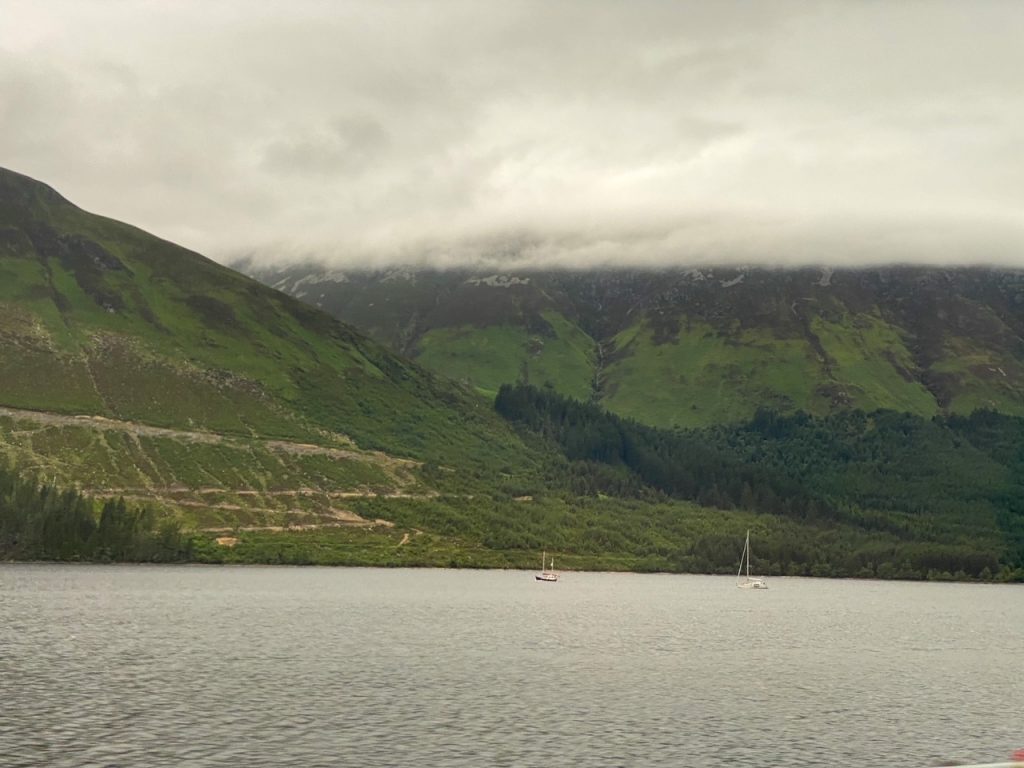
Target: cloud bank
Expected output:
[530,133]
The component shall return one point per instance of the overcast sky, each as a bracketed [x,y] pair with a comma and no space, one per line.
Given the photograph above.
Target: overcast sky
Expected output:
[551,132]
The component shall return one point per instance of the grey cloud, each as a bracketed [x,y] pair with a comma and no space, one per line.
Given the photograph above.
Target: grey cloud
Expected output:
[520,133]
[347,145]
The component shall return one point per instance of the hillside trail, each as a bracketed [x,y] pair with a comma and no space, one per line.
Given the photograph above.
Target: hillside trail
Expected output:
[138,429]
[229,499]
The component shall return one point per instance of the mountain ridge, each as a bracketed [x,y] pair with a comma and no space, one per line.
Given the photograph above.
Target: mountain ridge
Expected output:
[103,325]
[713,343]
[81,289]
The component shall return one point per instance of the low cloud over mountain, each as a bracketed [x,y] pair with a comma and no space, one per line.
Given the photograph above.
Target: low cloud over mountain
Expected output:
[526,134]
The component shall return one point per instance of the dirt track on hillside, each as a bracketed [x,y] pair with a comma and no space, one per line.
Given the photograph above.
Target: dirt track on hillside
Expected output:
[270,504]
[47,418]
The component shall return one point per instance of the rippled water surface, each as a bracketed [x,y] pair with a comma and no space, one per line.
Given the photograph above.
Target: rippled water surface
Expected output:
[207,666]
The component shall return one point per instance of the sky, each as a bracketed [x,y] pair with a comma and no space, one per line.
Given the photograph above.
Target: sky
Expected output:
[513,134]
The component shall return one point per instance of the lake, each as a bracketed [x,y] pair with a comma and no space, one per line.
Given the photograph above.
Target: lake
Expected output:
[221,666]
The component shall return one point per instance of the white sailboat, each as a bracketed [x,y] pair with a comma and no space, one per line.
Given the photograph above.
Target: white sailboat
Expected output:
[546,574]
[748,581]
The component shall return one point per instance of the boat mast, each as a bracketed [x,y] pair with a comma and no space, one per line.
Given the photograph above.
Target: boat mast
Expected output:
[747,547]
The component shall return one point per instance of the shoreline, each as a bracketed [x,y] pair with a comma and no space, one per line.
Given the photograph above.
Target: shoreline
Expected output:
[415,567]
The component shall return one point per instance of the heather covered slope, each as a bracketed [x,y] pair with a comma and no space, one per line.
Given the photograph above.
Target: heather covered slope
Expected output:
[695,347]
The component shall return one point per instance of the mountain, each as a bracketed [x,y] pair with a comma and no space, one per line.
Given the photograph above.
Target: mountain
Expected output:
[131,365]
[155,405]
[696,347]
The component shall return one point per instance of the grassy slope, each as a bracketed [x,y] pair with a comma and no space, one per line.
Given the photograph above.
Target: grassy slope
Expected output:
[872,365]
[99,317]
[206,482]
[587,534]
[982,378]
[702,378]
[433,517]
[490,356]
[697,348]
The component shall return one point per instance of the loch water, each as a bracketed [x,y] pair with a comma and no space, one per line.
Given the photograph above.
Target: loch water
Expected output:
[251,666]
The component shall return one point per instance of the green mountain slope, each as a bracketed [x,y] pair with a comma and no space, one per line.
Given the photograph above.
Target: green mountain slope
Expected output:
[701,347]
[132,366]
[97,317]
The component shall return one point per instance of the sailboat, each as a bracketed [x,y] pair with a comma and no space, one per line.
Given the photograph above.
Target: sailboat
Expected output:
[545,574]
[748,581]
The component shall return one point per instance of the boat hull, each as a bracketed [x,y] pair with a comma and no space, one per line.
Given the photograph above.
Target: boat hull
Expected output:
[753,585]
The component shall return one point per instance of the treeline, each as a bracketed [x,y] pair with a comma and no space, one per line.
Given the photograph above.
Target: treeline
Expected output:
[679,464]
[938,498]
[39,521]
[957,479]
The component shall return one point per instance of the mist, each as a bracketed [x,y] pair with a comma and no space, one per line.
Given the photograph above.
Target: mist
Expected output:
[530,135]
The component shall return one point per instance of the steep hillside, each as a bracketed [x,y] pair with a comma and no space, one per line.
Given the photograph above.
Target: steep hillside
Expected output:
[98,317]
[131,365]
[700,347]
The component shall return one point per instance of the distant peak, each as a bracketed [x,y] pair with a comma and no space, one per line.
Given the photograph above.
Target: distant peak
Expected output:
[19,189]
